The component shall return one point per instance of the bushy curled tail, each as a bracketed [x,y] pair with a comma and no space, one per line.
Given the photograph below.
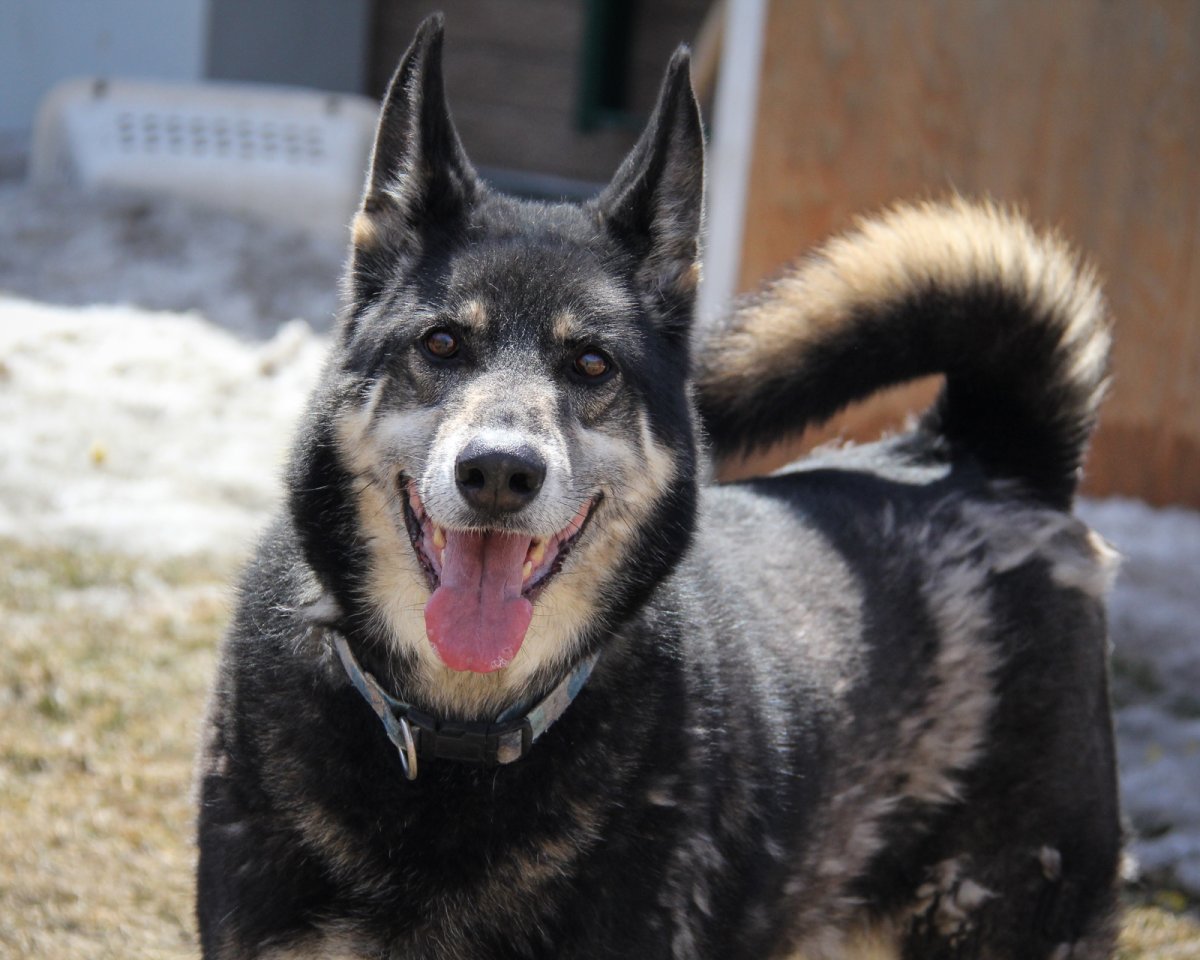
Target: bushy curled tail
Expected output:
[1012,318]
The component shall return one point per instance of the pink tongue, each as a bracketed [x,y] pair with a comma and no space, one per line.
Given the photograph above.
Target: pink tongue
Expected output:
[477,618]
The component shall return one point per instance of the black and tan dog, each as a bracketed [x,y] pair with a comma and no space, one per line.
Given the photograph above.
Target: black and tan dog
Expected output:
[511,678]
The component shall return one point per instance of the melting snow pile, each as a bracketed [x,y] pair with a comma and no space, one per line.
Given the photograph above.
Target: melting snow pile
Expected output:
[1155,623]
[152,433]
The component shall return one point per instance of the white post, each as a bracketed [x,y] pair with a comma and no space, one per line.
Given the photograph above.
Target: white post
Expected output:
[735,113]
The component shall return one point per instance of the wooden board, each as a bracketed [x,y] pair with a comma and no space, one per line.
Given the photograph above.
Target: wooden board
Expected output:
[1087,114]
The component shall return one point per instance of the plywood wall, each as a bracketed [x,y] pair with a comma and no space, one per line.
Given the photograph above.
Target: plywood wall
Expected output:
[1086,113]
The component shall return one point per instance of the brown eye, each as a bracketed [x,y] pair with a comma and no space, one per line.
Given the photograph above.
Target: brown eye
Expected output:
[441,344]
[592,364]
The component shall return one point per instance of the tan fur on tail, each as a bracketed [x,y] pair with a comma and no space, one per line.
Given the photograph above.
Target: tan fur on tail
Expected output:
[966,289]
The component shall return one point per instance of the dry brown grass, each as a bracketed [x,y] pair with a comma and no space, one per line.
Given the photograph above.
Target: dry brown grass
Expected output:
[102,686]
[105,666]
[1159,929]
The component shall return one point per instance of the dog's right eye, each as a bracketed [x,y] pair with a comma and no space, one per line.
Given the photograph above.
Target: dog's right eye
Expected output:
[440,344]
[593,365]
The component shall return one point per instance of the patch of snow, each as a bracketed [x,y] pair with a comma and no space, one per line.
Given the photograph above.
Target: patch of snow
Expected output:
[1155,610]
[1160,781]
[69,247]
[153,433]
[1154,619]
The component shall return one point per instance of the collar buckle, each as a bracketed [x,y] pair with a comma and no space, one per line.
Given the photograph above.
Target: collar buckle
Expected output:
[481,743]
[405,746]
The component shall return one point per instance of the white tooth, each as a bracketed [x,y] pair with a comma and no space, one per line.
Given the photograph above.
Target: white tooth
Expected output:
[527,570]
[439,537]
[538,553]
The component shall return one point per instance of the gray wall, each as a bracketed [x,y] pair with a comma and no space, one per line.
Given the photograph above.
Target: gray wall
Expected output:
[309,43]
[44,41]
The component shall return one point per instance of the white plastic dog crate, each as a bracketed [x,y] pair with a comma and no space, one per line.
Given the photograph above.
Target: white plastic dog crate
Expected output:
[288,156]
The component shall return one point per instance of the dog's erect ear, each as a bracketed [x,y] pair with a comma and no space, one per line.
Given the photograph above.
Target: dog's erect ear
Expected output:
[420,178]
[654,204]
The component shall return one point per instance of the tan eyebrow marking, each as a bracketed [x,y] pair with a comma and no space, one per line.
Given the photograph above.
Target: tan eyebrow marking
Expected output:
[474,315]
[566,326]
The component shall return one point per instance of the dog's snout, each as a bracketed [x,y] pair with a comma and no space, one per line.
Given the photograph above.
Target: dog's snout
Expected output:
[499,480]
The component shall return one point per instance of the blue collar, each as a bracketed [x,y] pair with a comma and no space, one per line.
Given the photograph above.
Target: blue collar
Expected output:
[417,735]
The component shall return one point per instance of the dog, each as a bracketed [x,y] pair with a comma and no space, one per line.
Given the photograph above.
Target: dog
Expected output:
[511,676]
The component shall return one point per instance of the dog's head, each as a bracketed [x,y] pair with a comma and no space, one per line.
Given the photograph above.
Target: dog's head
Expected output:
[501,458]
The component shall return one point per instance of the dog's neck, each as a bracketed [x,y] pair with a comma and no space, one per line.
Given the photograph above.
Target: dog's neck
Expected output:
[419,737]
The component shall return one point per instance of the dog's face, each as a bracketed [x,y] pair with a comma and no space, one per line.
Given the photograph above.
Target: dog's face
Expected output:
[505,421]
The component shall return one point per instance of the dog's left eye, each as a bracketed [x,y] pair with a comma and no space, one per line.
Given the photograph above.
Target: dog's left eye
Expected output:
[441,344]
[591,364]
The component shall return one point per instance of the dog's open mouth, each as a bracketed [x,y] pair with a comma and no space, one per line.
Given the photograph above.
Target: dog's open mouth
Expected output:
[484,583]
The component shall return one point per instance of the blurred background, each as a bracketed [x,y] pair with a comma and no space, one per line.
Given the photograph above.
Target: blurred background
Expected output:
[1084,113]
[176,178]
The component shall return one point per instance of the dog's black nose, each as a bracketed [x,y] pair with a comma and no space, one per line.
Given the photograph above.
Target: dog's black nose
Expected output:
[499,481]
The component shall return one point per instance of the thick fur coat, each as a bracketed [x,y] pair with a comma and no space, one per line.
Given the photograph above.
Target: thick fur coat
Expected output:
[858,707]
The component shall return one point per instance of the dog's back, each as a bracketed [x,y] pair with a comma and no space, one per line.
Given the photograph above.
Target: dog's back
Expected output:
[973,757]
[928,682]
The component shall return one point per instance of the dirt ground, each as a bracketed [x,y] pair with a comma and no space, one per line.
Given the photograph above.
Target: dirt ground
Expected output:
[102,687]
